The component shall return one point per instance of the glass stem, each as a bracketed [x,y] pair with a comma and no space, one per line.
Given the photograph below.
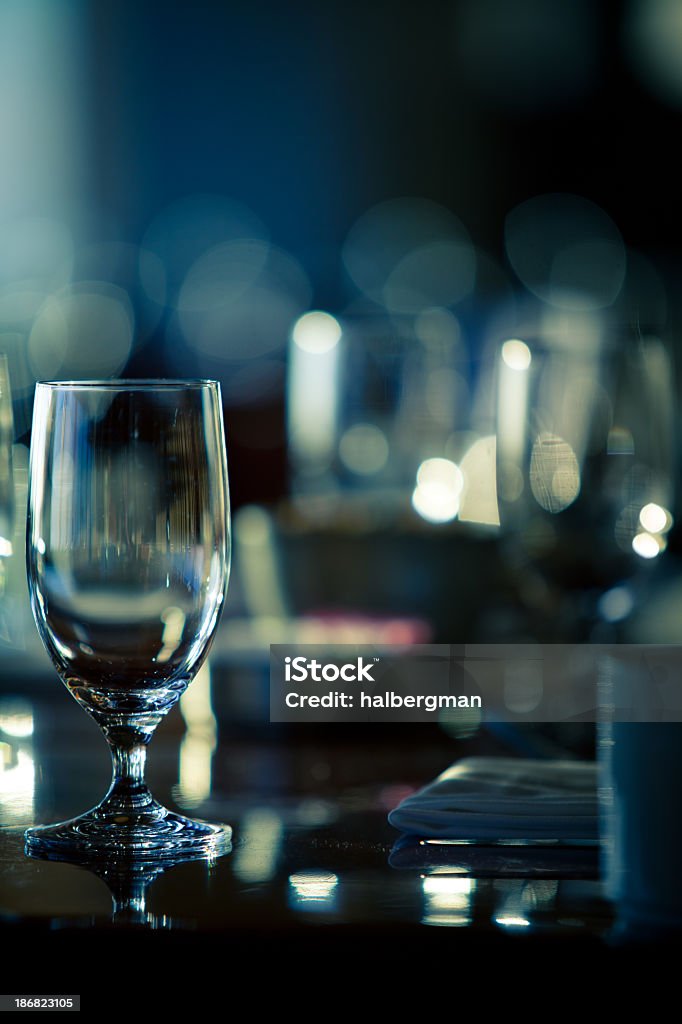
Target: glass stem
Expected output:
[128,793]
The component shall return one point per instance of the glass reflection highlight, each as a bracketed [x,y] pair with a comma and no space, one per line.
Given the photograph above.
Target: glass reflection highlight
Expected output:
[447,900]
[261,833]
[519,899]
[512,921]
[199,742]
[128,881]
[313,890]
[17,767]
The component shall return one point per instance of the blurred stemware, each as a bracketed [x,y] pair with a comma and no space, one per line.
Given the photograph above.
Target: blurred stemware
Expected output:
[585,473]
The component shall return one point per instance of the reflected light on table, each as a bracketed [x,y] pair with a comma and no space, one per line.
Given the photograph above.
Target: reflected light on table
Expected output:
[447,900]
[313,890]
[260,835]
[17,767]
[519,898]
[512,921]
[199,743]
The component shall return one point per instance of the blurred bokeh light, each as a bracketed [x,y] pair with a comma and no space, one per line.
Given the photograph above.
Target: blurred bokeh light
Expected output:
[653,44]
[566,250]
[409,254]
[82,331]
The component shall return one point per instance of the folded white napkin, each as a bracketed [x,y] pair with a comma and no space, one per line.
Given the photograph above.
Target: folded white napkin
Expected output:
[491,799]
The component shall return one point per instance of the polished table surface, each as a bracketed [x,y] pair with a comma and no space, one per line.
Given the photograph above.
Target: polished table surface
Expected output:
[308,874]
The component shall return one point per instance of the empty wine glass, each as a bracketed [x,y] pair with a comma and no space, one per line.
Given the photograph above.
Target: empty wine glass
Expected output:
[128,560]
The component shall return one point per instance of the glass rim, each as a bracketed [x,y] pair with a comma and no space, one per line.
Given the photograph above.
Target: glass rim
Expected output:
[130,384]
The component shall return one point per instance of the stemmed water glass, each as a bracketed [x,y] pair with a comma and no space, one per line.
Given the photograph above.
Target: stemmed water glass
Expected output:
[128,560]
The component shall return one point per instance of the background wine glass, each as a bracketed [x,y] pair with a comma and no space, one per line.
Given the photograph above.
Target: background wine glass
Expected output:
[585,475]
[128,556]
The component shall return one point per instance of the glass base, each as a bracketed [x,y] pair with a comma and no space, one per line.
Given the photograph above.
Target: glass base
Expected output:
[153,833]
